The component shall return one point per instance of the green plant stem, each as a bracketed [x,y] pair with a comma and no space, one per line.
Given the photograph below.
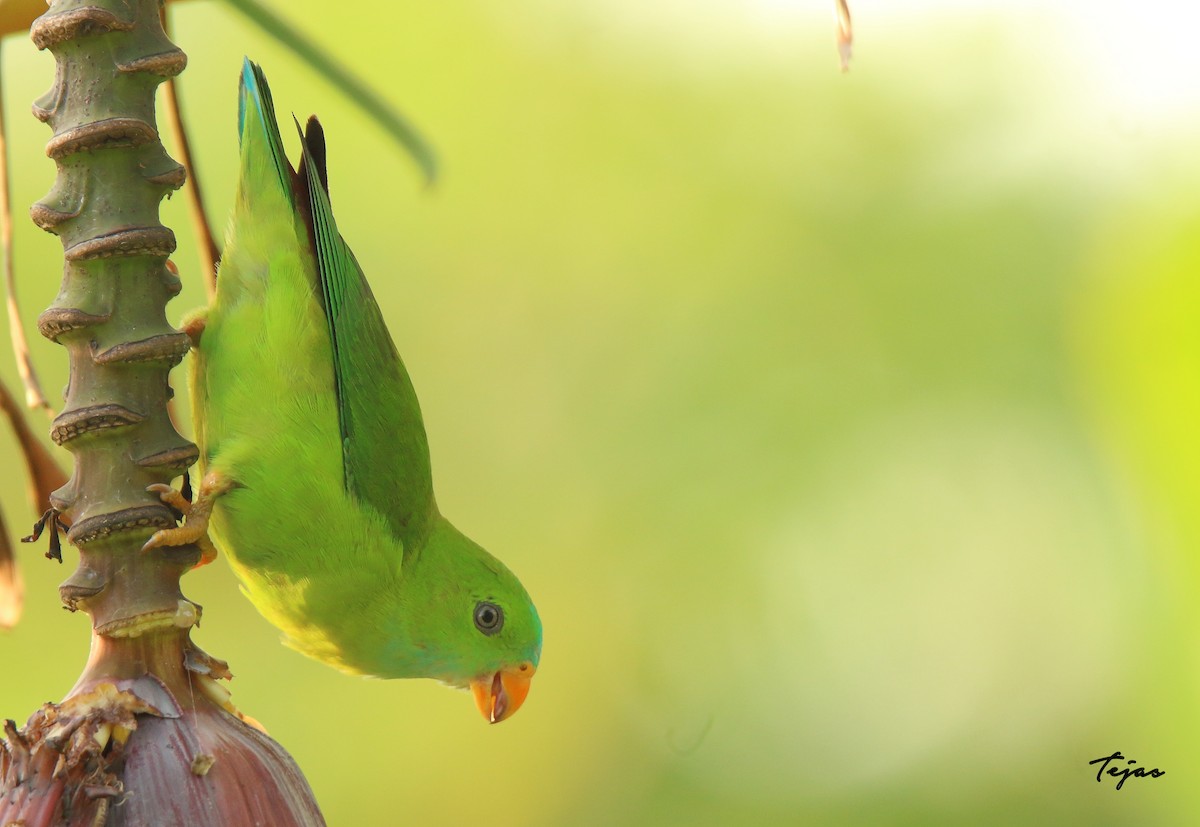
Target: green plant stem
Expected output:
[146,724]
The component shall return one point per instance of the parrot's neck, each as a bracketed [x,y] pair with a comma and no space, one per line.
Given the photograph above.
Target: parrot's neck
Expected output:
[367,610]
[411,617]
[434,635]
[390,622]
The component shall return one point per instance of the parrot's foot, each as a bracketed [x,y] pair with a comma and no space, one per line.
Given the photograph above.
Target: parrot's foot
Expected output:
[193,325]
[196,514]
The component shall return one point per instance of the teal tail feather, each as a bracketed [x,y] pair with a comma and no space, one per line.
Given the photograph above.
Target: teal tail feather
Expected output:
[256,111]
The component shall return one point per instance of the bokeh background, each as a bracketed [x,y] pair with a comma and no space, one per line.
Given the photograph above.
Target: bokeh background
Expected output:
[843,427]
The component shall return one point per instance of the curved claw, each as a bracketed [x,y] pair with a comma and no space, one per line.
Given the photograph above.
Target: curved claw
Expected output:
[171,497]
[196,514]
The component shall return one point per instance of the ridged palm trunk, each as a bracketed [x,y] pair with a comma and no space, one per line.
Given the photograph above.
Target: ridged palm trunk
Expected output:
[146,736]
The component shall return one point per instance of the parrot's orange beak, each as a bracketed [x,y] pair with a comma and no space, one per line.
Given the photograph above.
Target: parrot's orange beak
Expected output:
[498,696]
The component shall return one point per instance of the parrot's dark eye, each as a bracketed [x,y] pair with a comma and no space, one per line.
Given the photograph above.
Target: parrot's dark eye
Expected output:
[488,617]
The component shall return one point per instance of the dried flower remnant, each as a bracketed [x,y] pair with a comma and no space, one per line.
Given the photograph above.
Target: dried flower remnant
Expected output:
[50,519]
[130,743]
[202,763]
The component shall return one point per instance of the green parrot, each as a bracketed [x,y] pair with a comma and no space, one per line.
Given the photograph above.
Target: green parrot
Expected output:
[315,467]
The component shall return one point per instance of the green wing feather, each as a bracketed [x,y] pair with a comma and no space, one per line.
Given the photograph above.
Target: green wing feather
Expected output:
[384,449]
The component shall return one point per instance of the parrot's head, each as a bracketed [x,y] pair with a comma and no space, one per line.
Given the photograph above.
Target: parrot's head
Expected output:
[475,623]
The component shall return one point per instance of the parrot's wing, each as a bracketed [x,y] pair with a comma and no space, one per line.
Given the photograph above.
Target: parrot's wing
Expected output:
[384,450]
[385,456]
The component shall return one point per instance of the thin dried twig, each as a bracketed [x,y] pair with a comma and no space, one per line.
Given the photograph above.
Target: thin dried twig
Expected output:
[206,242]
[12,590]
[34,397]
[845,34]
[45,475]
